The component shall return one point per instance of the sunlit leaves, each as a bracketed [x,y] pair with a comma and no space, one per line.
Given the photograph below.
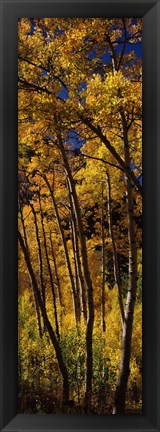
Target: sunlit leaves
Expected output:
[70,70]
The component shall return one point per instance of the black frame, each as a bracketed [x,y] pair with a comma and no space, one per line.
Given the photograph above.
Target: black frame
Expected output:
[150,419]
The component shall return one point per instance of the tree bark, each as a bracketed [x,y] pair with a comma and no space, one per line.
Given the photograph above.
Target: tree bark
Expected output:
[103,269]
[77,288]
[124,371]
[38,317]
[77,258]
[39,253]
[50,271]
[68,264]
[115,258]
[56,274]
[88,281]
[47,323]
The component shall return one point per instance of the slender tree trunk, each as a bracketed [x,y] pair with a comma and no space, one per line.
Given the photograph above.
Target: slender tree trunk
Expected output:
[77,258]
[56,273]
[68,264]
[38,317]
[58,286]
[88,281]
[115,258]
[75,272]
[47,323]
[50,271]
[103,268]
[39,254]
[124,371]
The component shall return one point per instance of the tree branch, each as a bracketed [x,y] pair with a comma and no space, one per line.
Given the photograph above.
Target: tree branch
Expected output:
[98,132]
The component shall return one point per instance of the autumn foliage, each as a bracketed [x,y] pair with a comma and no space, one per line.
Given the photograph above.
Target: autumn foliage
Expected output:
[80,208]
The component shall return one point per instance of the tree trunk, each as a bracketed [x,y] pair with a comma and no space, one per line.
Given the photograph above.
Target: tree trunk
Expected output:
[77,258]
[115,258]
[50,271]
[39,253]
[47,323]
[56,273]
[120,394]
[38,317]
[103,269]
[68,264]
[75,272]
[88,281]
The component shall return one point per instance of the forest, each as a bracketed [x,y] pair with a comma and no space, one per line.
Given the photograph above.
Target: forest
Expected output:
[80,215]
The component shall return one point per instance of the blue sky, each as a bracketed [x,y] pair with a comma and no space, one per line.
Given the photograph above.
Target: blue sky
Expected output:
[136,47]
